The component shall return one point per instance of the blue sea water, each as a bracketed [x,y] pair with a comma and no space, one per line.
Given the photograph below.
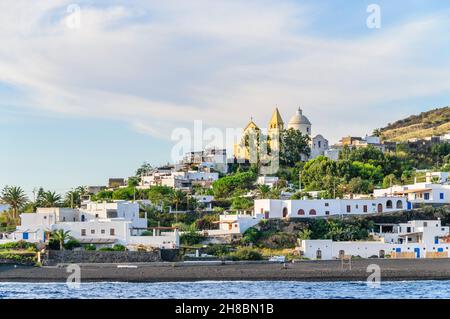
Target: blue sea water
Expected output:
[229,289]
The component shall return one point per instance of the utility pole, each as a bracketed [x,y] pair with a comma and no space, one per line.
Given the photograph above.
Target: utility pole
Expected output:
[300,181]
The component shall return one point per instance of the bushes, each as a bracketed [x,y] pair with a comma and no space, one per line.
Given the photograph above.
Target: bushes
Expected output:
[246,254]
[114,248]
[217,250]
[90,247]
[71,244]
[21,244]
[191,238]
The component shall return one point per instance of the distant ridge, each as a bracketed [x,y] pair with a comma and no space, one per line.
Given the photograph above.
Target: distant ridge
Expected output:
[431,123]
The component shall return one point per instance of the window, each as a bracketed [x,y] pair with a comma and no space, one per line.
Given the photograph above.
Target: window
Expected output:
[312,212]
[349,209]
[92,231]
[83,232]
[96,215]
[399,204]
[408,229]
[111,232]
[64,219]
[365,208]
[327,204]
[427,196]
[103,231]
[425,224]
[301,212]
[327,212]
[389,204]
[441,196]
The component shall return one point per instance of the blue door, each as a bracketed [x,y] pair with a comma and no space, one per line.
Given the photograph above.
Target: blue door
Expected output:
[440,250]
[25,236]
[417,252]
[409,205]
[398,250]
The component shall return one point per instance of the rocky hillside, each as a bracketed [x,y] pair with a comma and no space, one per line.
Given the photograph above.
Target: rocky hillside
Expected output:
[432,123]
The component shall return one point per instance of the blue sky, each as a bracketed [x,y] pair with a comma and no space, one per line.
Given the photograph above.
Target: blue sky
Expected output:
[79,105]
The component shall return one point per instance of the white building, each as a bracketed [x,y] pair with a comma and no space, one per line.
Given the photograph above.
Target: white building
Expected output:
[234,224]
[425,193]
[109,210]
[178,179]
[277,208]
[415,239]
[332,153]
[300,122]
[319,145]
[270,181]
[210,158]
[205,200]
[95,223]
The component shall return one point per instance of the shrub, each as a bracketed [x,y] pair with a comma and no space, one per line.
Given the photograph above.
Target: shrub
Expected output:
[21,244]
[90,247]
[71,244]
[191,238]
[147,233]
[119,248]
[246,254]
[217,250]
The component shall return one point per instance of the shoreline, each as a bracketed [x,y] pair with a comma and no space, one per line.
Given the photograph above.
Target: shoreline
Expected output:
[320,271]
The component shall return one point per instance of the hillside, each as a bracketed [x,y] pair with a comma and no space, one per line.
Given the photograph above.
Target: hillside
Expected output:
[432,123]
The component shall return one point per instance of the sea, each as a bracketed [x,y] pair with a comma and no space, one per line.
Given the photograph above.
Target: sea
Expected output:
[228,290]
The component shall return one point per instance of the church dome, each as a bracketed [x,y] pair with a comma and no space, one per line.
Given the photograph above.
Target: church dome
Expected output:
[299,119]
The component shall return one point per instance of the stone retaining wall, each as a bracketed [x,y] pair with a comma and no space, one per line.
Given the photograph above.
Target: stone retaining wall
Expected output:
[53,257]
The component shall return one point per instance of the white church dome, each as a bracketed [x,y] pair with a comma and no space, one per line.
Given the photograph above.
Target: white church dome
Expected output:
[299,119]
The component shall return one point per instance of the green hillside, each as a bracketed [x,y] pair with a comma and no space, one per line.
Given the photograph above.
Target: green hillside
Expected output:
[432,123]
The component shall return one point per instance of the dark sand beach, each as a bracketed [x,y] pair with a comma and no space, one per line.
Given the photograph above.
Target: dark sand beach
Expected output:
[391,269]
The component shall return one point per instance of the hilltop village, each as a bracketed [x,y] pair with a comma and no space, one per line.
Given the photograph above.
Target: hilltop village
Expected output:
[325,201]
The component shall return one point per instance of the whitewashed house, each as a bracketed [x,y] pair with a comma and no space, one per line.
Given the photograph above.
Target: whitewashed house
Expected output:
[307,208]
[270,181]
[415,239]
[419,193]
[234,224]
[103,223]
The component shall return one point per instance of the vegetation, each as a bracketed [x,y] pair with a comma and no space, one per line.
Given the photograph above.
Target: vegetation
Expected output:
[61,236]
[432,123]
[15,197]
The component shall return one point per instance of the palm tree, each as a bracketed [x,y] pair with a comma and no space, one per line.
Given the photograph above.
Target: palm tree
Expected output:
[50,199]
[61,236]
[262,191]
[15,197]
[177,199]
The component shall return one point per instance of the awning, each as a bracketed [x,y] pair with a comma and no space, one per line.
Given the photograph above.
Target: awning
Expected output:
[409,191]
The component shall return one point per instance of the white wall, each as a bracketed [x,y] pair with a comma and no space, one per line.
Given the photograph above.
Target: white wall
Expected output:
[326,207]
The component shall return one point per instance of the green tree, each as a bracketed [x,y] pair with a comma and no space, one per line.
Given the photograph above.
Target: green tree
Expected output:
[15,197]
[294,146]
[51,199]
[262,191]
[61,237]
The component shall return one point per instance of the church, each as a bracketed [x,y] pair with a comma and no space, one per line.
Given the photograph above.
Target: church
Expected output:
[276,124]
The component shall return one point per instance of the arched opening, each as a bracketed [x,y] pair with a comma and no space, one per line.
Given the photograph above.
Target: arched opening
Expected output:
[301,212]
[381,254]
[285,212]
[380,208]
[399,204]
[83,218]
[312,212]
[389,204]
[318,254]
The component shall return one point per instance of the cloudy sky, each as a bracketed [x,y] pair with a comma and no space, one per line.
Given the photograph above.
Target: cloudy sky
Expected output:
[90,94]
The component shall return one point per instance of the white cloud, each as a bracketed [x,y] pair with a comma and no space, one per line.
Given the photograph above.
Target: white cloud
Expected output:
[162,65]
